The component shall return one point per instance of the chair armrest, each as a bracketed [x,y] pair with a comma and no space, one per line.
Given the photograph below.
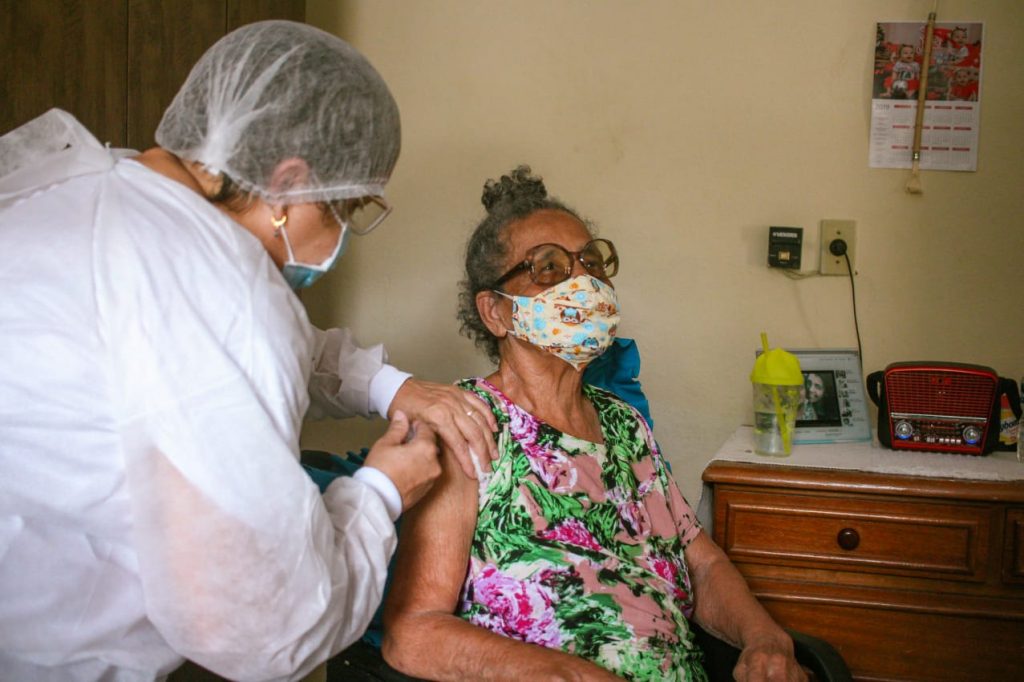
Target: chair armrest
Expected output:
[820,657]
[813,653]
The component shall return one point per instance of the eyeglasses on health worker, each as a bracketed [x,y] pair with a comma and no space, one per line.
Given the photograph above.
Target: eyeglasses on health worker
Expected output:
[156,366]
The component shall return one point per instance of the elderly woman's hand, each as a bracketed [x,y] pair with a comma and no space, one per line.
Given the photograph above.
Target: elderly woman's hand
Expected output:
[768,660]
[463,421]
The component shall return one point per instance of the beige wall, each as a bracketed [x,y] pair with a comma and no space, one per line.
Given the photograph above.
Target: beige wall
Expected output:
[684,129]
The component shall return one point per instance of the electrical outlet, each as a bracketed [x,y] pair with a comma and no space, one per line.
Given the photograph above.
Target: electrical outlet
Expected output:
[831,230]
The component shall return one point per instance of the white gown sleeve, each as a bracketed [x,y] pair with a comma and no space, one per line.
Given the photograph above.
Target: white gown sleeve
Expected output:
[348,380]
[259,600]
[246,569]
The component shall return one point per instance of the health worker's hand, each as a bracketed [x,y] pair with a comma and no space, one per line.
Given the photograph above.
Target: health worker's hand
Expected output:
[462,420]
[768,660]
[408,455]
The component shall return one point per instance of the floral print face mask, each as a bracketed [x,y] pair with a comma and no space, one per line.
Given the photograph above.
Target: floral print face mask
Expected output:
[575,319]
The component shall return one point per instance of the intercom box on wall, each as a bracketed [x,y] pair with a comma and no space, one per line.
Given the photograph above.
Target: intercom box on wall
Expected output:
[784,246]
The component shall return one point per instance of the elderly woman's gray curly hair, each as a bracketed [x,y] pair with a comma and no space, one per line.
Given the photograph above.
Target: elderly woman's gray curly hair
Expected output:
[511,198]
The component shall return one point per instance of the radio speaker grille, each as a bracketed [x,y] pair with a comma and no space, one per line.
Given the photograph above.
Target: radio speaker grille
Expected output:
[941,392]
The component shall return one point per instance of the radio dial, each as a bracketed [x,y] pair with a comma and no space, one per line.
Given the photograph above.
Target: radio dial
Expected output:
[904,430]
[972,435]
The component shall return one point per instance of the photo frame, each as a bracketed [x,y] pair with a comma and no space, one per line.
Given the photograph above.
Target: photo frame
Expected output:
[835,407]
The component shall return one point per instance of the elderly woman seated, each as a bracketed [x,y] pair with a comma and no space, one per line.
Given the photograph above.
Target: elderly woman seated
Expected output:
[577,557]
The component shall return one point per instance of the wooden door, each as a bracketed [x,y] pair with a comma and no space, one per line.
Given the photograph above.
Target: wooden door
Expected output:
[114,64]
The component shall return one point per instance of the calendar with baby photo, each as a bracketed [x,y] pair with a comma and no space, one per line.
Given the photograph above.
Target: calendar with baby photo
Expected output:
[947,79]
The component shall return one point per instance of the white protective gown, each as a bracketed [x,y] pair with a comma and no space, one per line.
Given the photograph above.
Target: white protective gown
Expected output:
[153,373]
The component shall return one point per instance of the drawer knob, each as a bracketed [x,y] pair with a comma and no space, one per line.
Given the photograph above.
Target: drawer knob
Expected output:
[848,538]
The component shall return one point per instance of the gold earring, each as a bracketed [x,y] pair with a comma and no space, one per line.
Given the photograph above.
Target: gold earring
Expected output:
[278,223]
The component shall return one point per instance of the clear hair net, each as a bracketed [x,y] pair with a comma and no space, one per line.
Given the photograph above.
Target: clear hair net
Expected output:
[272,91]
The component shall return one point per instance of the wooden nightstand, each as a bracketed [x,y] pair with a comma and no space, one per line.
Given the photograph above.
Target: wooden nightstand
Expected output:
[911,576]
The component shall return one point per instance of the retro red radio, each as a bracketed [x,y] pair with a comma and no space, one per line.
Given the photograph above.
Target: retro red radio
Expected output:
[937,406]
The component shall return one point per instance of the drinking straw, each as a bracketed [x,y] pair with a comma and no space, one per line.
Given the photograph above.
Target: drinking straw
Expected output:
[783,425]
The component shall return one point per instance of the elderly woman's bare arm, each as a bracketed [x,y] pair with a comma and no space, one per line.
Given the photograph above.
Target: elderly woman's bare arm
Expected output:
[726,608]
[423,637]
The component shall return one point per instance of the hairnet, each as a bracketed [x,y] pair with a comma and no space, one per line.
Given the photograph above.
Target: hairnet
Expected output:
[278,90]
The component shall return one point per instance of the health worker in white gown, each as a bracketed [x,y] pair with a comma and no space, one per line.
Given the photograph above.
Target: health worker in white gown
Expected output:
[156,366]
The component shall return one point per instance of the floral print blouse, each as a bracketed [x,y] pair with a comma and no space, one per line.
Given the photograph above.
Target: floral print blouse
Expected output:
[579,545]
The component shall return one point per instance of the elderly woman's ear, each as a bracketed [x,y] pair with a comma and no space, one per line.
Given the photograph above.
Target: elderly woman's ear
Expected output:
[488,305]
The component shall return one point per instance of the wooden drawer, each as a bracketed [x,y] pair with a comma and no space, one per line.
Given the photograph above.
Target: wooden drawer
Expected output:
[1013,556]
[859,533]
[932,590]
[894,644]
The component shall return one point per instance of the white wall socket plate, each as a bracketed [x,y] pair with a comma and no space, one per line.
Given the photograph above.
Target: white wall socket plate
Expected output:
[830,231]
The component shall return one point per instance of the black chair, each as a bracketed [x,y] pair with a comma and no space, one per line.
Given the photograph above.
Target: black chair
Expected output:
[820,657]
[812,653]
[364,663]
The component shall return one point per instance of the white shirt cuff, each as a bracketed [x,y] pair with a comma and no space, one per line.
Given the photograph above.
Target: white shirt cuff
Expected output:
[379,481]
[383,387]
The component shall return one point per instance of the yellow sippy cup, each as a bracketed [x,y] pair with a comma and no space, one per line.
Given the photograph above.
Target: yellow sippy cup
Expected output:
[778,392]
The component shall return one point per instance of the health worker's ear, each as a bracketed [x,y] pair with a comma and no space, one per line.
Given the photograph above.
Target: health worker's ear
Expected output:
[494,312]
[288,175]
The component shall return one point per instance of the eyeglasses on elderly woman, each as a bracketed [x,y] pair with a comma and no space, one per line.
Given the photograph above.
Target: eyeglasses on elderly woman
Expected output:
[549,264]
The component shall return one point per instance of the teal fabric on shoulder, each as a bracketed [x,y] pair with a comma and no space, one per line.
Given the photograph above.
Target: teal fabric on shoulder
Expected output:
[618,370]
[323,468]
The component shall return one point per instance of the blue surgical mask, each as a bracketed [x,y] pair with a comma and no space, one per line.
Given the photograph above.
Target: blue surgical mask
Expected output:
[302,275]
